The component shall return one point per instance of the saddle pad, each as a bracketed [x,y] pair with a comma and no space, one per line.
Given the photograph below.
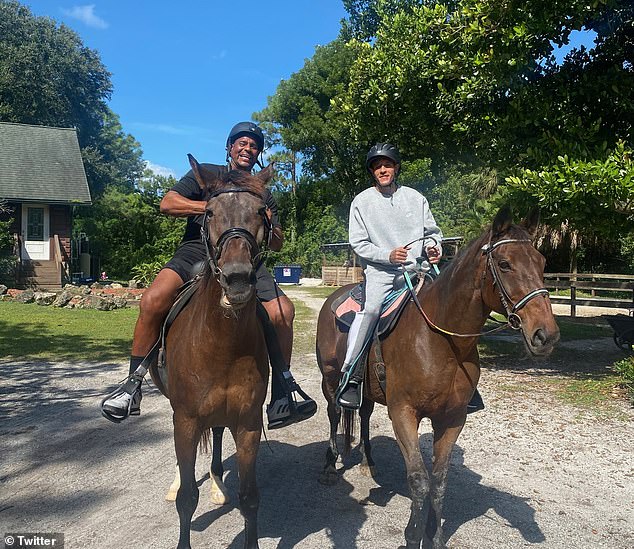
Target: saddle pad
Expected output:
[348,304]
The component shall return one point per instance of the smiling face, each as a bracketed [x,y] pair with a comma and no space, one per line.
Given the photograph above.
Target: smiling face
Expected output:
[384,171]
[244,153]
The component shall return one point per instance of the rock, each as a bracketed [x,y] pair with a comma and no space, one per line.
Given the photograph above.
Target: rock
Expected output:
[44,298]
[133,284]
[3,289]
[120,302]
[27,296]
[63,298]
[85,290]
[100,303]
[116,285]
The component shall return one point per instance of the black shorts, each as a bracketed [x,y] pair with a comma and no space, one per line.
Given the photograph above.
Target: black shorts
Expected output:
[190,258]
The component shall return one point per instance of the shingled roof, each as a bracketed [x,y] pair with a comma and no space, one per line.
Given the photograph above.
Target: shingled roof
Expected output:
[41,164]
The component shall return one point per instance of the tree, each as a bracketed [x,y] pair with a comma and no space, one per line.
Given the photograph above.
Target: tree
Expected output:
[48,77]
[301,113]
[127,230]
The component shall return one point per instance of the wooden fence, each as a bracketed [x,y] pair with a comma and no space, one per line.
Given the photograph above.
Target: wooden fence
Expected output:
[595,290]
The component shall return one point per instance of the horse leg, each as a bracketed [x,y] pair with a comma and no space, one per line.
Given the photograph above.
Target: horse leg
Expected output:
[367,463]
[247,443]
[218,491]
[186,437]
[445,437]
[405,425]
[329,475]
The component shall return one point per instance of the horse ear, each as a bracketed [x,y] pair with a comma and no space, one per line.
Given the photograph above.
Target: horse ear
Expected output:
[267,173]
[531,221]
[205,179]
[502,221]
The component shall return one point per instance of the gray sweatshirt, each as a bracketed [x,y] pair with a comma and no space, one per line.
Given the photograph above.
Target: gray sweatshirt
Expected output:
[379,223]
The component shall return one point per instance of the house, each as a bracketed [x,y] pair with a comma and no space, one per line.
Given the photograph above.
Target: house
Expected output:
[41,178]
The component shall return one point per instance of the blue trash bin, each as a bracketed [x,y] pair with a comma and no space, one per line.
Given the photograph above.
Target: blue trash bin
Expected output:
[287,274]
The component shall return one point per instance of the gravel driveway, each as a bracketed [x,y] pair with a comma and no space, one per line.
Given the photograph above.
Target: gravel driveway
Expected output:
[528,471]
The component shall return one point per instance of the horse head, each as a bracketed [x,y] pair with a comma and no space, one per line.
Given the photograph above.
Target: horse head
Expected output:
[236,224]
[513,280]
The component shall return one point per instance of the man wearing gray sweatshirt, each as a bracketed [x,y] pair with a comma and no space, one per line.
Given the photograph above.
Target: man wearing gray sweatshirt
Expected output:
[383,219]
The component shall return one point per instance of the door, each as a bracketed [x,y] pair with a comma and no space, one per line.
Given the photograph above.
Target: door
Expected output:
[35,232]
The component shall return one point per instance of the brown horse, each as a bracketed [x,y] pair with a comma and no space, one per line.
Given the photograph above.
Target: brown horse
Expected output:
[430,371]
[217,363]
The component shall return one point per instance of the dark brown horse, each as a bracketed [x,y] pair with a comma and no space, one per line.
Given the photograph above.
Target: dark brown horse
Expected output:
[217,363]
[430,373]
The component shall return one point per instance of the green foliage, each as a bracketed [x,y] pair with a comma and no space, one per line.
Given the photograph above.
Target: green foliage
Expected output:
[48,77]
[127,230]
[625,369]
[301,114]
[596,195]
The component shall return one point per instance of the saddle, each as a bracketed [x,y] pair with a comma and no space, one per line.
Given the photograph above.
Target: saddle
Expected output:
[347,305]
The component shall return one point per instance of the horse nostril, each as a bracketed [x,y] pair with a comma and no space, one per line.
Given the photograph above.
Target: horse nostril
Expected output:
[539,338]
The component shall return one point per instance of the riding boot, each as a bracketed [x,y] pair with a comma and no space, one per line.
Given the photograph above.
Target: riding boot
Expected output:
[350,391]
[284,409]
[126,399]
[476,403]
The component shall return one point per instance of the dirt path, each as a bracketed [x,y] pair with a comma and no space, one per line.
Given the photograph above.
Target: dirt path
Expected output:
[529,470]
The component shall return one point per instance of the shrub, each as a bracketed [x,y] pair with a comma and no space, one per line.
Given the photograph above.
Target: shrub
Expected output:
[625,369]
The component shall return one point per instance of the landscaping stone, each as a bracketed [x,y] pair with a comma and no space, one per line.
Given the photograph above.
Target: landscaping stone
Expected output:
[44,298]
[63,298]
[3,289]
[27,296]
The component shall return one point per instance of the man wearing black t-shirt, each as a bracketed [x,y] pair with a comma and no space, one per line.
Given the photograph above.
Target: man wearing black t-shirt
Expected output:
[244,145]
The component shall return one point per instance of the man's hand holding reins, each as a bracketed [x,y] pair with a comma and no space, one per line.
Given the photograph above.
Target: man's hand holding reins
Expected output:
[399,255]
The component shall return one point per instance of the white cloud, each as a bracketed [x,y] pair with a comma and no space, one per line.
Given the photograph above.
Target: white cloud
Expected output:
[167,128]
[160,170]
[86,14]
[220,55]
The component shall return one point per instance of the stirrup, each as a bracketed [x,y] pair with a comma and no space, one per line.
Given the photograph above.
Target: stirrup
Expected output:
[131,386]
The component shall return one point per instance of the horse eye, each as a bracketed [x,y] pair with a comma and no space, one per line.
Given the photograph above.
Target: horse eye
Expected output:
[504,265]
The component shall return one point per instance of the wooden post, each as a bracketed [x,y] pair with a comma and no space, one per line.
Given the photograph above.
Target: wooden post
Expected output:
[573,305]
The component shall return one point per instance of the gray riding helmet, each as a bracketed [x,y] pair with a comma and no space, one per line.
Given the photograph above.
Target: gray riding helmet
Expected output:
[382,149]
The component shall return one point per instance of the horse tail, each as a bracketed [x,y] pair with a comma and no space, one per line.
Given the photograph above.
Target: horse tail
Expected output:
[204,446]
[348,422]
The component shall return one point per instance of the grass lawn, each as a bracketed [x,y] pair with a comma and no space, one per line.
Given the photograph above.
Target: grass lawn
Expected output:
[29,331]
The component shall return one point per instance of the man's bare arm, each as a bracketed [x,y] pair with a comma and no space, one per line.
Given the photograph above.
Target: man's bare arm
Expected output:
[177,205]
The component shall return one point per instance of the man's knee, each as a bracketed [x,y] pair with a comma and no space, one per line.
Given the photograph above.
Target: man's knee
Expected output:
[159,297]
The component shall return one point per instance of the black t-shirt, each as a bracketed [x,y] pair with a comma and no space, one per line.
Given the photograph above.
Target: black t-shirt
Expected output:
[189,188]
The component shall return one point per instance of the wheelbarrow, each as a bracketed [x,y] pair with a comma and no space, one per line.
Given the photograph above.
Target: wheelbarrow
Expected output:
[623,326]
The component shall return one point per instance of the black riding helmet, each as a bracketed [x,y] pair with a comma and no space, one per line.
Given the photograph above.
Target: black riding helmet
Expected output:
[382,149]
[246,128]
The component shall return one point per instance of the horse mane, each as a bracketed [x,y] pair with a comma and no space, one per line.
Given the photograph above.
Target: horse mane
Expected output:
[237,179]
[475,245]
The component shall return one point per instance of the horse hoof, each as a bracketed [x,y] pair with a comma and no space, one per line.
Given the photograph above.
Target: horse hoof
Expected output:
[367,470]
[328,478]
[218,491]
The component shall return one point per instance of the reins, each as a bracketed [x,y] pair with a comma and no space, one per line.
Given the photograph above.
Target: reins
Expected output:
[513,319]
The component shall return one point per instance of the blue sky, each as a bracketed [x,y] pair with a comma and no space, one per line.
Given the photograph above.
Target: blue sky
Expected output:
[183,74]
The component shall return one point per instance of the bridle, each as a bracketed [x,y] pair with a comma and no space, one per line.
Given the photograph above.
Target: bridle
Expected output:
[214,251]
[513,319]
